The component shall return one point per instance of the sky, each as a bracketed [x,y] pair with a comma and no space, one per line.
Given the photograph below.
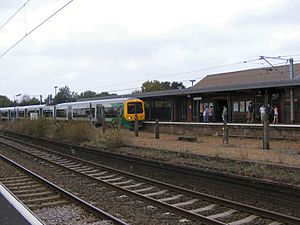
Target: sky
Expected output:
[117,45]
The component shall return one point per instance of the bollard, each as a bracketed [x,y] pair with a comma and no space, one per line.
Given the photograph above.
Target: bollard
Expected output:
[156,129]
[225,133]
[266,127]
[136,125]
[103,120]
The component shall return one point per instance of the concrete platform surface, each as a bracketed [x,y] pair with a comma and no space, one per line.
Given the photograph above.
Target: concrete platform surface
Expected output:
[13,212]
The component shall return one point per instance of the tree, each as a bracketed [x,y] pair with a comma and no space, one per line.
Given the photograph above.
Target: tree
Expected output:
[26,100]
[177,85]
[105,93]
[87,94]
[155,85]
[91,94]
[65,95]
[5,101]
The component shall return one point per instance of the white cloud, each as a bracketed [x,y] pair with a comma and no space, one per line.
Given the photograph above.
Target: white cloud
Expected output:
[109,45]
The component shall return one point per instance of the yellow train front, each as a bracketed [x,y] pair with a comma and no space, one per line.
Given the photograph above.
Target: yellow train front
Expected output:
[133,108]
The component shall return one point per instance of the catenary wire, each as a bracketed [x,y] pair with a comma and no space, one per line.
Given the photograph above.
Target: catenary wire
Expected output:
[183,73]
[48,18]
[10,18]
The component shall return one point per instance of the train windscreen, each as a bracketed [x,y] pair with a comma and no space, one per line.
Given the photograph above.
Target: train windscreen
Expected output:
[133,107]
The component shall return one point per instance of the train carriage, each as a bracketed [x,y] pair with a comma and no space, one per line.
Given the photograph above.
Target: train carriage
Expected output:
[7,113]
[91,111]
[30,111]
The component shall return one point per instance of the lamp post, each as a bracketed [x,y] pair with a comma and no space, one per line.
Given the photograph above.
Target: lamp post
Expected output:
[55,87]
[15,103]
[192,82]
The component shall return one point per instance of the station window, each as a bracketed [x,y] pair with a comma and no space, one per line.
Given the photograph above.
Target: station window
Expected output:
[242,106]
[235,106]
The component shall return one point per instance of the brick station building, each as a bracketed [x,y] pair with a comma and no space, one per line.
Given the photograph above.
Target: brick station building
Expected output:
[273,85]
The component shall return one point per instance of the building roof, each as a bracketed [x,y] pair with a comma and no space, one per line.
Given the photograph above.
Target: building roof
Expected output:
[250,78]
[233,81]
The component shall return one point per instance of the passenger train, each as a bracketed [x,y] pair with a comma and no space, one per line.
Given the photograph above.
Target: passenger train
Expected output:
[91,111]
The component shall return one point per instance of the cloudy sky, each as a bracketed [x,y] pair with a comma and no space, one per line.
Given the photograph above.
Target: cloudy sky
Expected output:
[116,45]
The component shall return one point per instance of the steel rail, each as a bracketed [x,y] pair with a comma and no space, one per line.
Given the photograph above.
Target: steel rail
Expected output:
[265,185]
[231,204]
[94,210]
[169,207]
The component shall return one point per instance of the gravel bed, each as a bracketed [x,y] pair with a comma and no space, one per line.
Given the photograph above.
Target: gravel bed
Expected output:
[257,170]
[200,184]
[65,214]
[205,185]
[130,210]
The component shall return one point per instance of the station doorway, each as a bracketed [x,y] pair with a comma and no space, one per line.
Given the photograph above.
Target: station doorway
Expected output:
[219,110]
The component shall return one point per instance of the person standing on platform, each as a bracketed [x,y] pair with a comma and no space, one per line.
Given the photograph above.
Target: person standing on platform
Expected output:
[205,114]
[224,114]
[211,114]
[250,115]
[262,111]
[276,114]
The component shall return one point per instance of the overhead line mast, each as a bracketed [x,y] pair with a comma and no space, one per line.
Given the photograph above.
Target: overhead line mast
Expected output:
[292,76]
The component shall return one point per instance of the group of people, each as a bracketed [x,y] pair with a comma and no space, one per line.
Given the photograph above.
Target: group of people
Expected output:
[270,113]
[208,114]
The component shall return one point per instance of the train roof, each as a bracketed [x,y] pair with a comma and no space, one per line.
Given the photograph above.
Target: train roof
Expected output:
[7,108]
[94,102]
[105,102]
[30,107]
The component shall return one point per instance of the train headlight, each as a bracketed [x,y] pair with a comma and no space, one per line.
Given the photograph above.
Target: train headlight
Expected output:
[129,117]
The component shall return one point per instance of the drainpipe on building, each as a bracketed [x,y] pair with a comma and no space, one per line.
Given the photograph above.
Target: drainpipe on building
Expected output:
[291,60]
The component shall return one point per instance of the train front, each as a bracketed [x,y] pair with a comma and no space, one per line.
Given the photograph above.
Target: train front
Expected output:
[134,107]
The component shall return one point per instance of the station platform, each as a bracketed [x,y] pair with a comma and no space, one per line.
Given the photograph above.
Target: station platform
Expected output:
[13,212]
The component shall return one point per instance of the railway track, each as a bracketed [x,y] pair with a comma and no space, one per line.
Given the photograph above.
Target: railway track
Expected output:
[190,204]
[50,203]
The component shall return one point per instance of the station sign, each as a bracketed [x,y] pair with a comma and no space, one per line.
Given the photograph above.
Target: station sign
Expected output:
[197,98]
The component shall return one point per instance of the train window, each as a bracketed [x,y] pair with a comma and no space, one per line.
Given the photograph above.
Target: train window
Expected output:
[61,113]
[47,113]
[110,112]
[21,113]
[85,112]
[132,106]
[4,114]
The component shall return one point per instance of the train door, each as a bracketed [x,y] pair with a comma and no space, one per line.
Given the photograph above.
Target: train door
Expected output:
[98,114]
[69,115]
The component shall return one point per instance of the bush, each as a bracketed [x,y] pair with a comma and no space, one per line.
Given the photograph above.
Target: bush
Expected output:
[79,131]
[38,128]
[76,132]
[114,138]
